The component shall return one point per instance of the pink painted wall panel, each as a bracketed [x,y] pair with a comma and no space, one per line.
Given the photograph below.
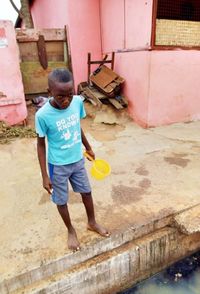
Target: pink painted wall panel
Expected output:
[134,68]
[174,87]
[112,25]
[85,36]
[50,13]
[12,107]
[138,19]
[125,24]
[83,21]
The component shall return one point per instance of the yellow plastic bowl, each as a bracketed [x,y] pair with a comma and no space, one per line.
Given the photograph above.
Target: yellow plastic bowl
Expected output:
[100,169]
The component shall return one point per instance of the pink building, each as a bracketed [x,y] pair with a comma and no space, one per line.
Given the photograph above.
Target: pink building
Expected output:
[151,39]
[12,101]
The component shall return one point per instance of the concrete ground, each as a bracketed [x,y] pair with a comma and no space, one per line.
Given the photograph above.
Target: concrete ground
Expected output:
[155,173]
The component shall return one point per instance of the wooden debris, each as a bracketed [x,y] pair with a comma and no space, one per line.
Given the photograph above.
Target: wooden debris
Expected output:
[115,103]
[103,85]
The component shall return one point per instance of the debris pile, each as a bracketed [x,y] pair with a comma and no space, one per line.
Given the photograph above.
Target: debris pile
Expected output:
[8,133]
[103,86]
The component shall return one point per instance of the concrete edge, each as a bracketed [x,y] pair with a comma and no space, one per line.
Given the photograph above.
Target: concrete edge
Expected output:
[188,222]
[88,252]
[124,266]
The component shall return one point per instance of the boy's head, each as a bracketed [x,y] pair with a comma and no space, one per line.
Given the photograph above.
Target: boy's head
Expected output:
[60,84]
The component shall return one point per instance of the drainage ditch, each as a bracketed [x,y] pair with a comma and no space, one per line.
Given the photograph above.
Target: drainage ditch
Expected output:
[182,277]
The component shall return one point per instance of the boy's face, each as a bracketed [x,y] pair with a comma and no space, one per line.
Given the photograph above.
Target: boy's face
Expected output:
[62,94]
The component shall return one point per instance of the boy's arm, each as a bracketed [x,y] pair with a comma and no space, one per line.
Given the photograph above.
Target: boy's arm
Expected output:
[87,145]
[41,150]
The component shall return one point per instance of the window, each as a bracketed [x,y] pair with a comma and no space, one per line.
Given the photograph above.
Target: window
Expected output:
[176,23]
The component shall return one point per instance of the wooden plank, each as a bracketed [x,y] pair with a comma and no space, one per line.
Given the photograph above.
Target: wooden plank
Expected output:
[35,77]
[124,101]
[101,62]
[89,93]
[109,71]
[68,48]
[101,79]
[84,85]
[115,103]
[65,53]
[89,67]
[98,94]
[55,51]
[104,77]
[28,51]
[30,35]
[113,60]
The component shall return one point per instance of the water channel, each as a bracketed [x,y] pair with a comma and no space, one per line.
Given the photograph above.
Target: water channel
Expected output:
[182,277]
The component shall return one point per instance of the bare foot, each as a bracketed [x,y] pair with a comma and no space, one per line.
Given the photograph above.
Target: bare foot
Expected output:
[73,242]
[98,229]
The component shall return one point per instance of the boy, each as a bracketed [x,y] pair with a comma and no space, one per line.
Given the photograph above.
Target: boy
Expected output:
[59,121]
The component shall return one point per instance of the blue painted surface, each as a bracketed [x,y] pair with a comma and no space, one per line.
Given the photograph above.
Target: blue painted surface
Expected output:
[181,278]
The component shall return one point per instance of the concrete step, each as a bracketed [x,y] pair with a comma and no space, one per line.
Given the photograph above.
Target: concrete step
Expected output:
[188,222]
[70,260]
[89,261]
[121,267]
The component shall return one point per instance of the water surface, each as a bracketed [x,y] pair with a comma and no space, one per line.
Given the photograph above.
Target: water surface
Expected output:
[182,277]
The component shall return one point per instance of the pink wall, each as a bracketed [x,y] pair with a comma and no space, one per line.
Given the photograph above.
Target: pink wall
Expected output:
[125,24]
[112,25]
[134,68]
[83,20]
[138,22]
[162,86]
[12,107]
[174,87]
[126,29]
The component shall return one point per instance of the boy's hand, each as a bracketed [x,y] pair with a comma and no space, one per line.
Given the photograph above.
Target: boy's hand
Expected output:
[47,185]
[91,153]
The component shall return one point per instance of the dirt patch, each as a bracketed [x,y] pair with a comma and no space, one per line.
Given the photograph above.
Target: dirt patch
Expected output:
[179,161]
[99,128]
[145,183]
[31,115]
[8,133]
[125,195]
[180,154]
[141,171]
[101,132]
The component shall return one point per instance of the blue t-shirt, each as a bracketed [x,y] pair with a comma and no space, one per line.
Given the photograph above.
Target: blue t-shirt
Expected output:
[63,131]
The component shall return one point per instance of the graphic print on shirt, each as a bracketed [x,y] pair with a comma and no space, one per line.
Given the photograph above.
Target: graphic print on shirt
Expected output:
[67,127]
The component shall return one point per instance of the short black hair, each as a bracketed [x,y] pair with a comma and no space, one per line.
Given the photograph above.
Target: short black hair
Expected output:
[60,75]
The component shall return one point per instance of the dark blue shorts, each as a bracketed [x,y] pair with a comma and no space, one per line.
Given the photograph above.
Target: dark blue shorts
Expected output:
[77,176]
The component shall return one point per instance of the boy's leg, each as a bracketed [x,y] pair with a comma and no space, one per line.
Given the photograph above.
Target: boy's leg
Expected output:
[73,242]
[92,224]
[59,177]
